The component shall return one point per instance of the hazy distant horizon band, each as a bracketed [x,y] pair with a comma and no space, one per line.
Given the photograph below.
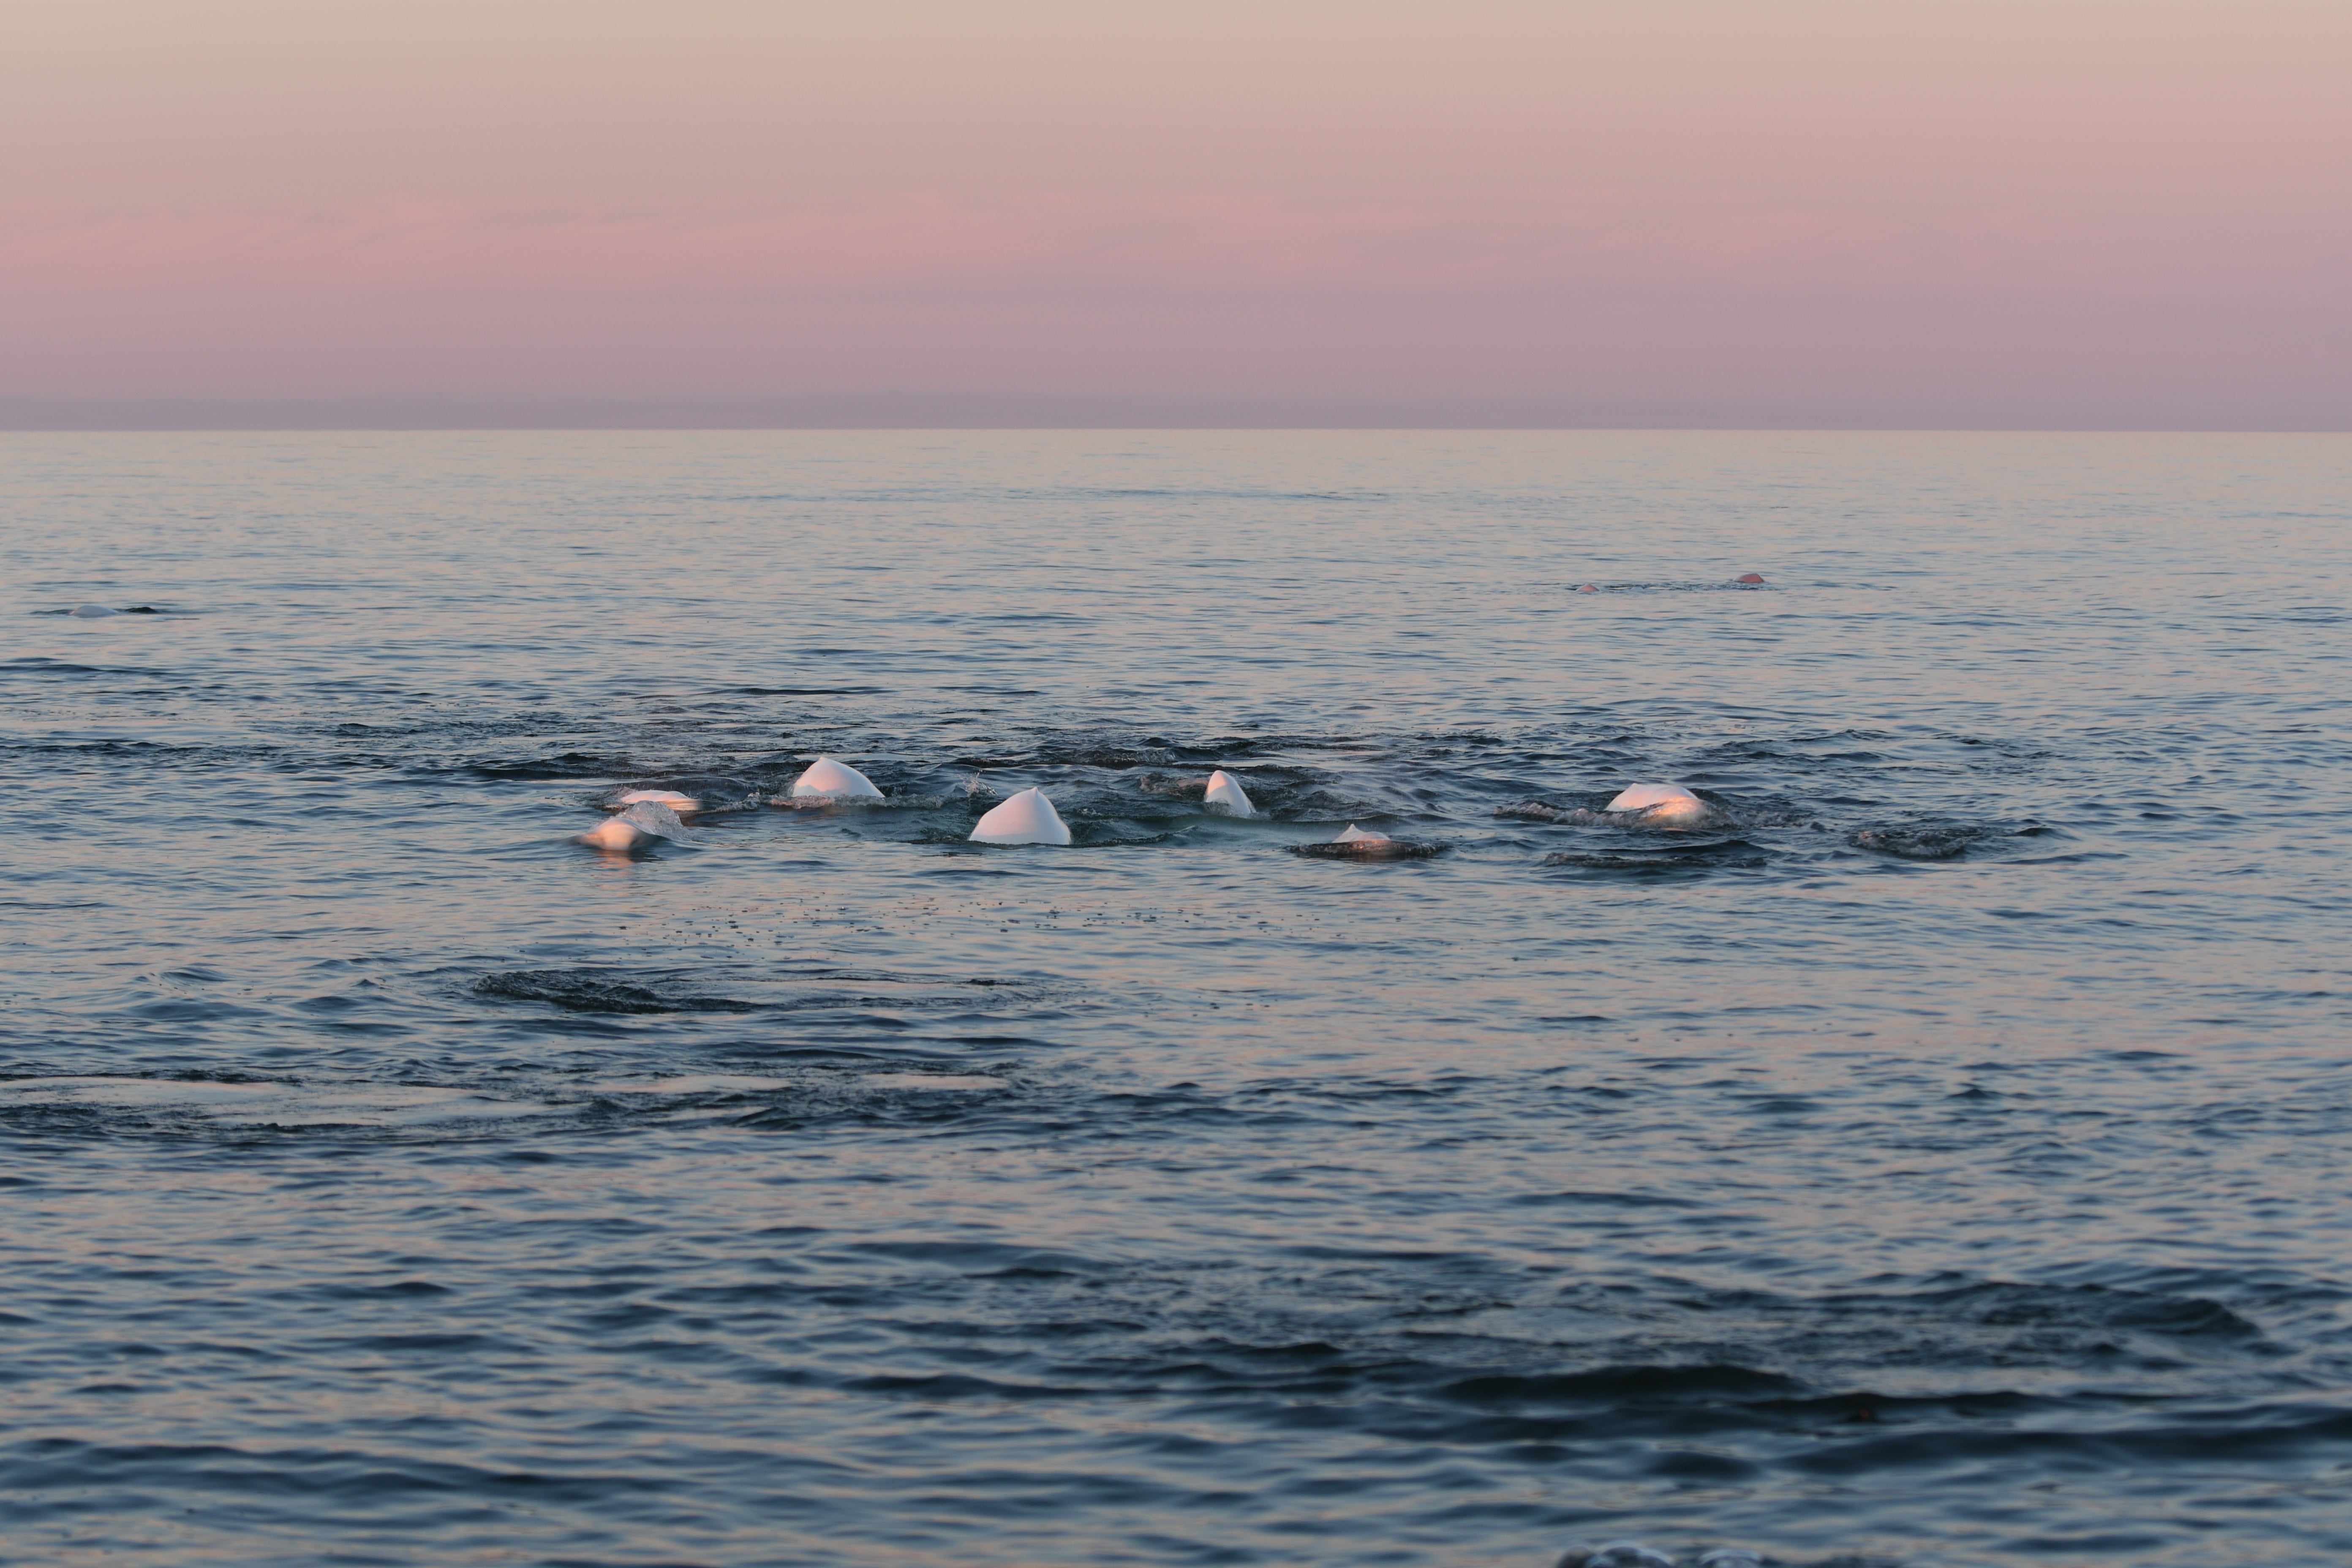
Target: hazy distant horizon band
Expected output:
[926,411]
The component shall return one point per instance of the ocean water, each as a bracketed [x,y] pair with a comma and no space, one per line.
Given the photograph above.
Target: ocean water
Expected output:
[1939,1156]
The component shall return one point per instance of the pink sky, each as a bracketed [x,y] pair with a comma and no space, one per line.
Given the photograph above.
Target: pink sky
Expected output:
[2055,212]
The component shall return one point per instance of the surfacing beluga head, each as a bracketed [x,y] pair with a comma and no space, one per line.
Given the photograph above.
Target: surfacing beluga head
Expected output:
[1659,805]
[1027,818]
[829,780]
[1225,794]
[638,828]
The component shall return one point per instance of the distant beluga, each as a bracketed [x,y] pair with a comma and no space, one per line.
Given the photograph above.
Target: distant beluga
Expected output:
[829,780]
[1226,795]
[91,612]
[681,804]
[1027,819]
[1356,834]
[1660,806]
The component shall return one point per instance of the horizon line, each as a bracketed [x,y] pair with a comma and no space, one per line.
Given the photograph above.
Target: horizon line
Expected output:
[24,415]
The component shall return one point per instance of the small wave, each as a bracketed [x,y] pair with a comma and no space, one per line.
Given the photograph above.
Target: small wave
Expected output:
[1666,859]
[1708,585]
[1374,849]
[588,991]
[699,1084]
[1107,756]
[264,1103]
[957,1082]
[566,765]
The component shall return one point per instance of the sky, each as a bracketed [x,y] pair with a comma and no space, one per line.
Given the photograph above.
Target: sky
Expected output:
[2070,212]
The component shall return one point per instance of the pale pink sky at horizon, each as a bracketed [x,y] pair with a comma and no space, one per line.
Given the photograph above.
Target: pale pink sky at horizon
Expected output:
[2074,211]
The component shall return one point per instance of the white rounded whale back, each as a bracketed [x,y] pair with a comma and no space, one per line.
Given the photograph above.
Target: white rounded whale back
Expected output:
[838,780]
[91,612]
[1662,803]
[1027,819]
[1356,834]
[617,832]
[668,797]
[1225,794]
[634,828]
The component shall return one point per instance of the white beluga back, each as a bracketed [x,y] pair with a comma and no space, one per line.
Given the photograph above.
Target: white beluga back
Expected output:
[91,612]
[1356,834]
[681,804]
[1027,818]
[635,828]
[1660,806]
[834,781]
[1226,795]
[617,832]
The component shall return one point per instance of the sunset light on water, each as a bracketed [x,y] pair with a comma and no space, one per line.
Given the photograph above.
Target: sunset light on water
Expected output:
[1486,788]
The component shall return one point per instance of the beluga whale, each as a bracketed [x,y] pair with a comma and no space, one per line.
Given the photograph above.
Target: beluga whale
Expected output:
[680,803]
[1659,805]
[635,828]
[1655,806]
[1225,794]
[1027,818]
[830,780]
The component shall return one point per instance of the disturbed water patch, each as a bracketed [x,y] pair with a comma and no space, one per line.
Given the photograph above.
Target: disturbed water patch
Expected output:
[590,990]
[1935,840]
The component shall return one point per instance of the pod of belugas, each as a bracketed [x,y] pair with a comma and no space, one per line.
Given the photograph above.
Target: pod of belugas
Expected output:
[830,780]
[1225,794]
[1027,818]
[637,828]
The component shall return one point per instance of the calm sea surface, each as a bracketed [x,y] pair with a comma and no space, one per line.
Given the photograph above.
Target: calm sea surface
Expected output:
[1943,1157]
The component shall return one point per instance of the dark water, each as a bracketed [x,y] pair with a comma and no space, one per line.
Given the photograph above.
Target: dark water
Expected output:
[1941,1157]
